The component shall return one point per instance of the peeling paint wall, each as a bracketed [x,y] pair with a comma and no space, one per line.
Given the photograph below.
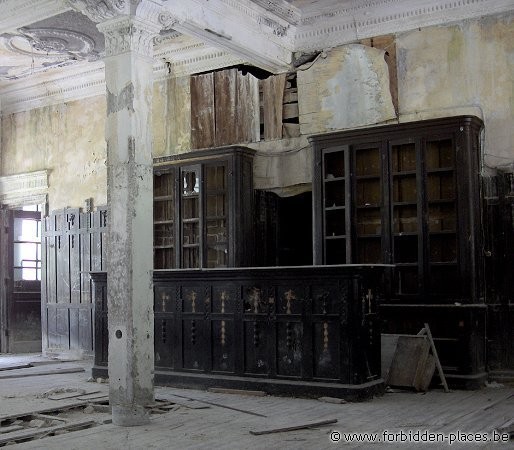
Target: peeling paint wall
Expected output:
[467,68]
[464,68]
[172,116]
[68,140]
[346,89]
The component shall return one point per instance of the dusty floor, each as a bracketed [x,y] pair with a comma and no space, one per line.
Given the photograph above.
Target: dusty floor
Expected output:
[33,410]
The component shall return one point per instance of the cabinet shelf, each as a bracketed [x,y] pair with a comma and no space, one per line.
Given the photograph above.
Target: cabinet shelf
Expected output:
[161,247]
[192,220]
[405,173]
[334,208]
[369,206]
[368,177]
[336,237]
[405,234]
[442,170]
[331,180]
[163,198]
[163,222]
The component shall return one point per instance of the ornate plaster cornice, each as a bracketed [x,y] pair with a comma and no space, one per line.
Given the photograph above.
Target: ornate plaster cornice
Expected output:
[357,19]
[24,189]
[100,10]
[127,33]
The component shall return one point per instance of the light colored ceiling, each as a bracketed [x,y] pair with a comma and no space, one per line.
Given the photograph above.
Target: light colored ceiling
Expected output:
[51,53]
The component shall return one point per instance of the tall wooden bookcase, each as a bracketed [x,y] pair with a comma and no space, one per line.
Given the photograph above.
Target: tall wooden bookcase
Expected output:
[403,194]
[203,209]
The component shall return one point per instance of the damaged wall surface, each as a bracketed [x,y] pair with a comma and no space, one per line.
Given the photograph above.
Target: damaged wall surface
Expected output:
[465,68]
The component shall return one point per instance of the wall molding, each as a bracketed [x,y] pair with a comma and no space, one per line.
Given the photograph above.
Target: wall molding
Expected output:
[358,19]
[24,189]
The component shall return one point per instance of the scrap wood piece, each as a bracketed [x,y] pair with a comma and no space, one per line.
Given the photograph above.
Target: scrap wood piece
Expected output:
[223,406]
[93,396]
[237,391]
[14,366]
[10,429]
[42,372]
[294,427]
[33,434]
[184,401]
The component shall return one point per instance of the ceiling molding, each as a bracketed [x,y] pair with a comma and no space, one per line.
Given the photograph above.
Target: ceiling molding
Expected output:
[359,20]
[241,27]
[20,13]
[88,80]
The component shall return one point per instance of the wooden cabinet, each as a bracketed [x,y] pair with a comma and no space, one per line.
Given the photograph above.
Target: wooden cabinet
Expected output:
[203,209]
[403,194]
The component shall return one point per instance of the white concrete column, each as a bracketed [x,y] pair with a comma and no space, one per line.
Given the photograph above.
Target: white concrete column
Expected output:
[129,80]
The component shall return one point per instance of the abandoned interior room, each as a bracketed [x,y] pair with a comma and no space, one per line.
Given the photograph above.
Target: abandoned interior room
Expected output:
[258,194]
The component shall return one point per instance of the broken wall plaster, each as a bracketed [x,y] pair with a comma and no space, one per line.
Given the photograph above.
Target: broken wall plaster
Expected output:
[464,68]
[347,89]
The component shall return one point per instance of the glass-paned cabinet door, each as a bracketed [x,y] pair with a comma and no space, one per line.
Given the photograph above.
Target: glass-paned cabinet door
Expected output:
[190,204]
[441,215]
[216,215]
[368,203]
[335,205]
[405,216]
[164,220]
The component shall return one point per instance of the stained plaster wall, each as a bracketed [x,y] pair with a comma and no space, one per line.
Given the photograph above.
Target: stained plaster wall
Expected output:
[466,68]
[67,140]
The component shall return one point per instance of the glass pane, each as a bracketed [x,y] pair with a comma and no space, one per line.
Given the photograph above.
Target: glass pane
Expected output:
[335,251]
[190,258]
[217,256]
[442,217]
[405,219]
[333,165]
[162,211]
[216,205]
[406,280]
[191,233]
[190,208]
[403,157]
[440,186]
[216,232]
[369,221]
[405,249]
[334,194]
[404,189]
[164,258]
[367,161]
[443,248]
[369,251]
[440,154]
[163,185]
[368,192]
[163,235]
[215,177]
[335,223]
[190,182]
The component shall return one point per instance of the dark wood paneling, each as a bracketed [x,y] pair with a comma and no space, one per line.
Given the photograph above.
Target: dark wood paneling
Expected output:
[73,245]
[289,323]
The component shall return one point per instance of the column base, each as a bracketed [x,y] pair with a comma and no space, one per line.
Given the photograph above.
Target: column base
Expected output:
[130,416]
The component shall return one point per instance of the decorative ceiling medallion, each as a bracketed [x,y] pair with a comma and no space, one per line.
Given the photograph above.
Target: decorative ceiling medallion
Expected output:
[52,43]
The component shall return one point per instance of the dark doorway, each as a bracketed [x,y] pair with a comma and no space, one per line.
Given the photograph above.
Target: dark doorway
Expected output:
[295,230]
